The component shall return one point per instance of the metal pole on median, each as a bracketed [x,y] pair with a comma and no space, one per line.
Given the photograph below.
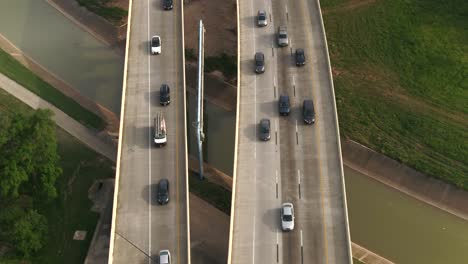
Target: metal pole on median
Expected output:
[199,130]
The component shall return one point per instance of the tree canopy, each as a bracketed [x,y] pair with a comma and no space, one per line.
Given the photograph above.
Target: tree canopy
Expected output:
[29,157]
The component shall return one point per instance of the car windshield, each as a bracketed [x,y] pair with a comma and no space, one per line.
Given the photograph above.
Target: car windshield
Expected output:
[283,36]
[261,17]
[259,62]
[155,42]
[287,218]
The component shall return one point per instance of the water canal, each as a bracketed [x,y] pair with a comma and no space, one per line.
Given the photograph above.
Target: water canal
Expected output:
[66,50]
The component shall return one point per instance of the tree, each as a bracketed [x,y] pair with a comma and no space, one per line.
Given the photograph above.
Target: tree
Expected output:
[29,155]
[29,232]
[46,165]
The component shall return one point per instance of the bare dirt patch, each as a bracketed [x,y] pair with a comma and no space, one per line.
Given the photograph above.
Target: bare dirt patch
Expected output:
[219,18]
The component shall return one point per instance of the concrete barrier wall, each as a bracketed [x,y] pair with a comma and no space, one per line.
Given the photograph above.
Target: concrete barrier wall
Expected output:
[119,150]
[407,180]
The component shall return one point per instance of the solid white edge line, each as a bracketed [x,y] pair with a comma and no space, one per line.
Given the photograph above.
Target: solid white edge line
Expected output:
[187,199]
[236,142]
[343,188]
[149,136]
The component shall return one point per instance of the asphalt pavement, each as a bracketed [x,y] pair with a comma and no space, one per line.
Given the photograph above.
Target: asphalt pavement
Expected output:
[143,227]
[301,163]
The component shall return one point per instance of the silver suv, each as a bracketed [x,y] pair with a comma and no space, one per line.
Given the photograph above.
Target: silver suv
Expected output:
[283,39]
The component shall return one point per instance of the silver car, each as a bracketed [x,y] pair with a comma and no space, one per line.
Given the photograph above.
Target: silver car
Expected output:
[287,216]
[164,257]
[262,18]
[283,39]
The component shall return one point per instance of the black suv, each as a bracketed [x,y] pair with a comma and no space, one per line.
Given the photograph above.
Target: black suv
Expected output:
[163,191]
[300,57]
[265,129]
[259,62]
[164,94]
[284,106]
[308,112]
[167,4]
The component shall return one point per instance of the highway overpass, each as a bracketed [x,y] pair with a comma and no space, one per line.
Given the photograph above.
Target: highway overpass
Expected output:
[301,163]
[141,227]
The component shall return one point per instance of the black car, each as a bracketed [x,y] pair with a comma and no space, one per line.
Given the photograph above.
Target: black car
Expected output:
[167,4]
[164,94]
[163,191]
[284,106]
[308,112]
[300,57]
[265,129]
[259,62]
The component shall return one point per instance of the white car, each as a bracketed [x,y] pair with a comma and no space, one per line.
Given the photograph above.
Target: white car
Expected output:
[262,18]
[287,216]
[156,45]
[164,257]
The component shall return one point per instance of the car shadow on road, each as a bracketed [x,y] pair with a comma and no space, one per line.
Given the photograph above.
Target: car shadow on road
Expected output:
[271,218]
[149,193]
[251,132]
[146,135]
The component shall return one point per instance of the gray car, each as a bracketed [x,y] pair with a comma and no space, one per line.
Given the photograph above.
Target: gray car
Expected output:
[265,129]
[283,39]
[262,18]
[284,105]
[259,62]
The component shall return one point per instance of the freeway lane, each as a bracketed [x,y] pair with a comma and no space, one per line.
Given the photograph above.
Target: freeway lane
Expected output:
[142,227]
[301,164]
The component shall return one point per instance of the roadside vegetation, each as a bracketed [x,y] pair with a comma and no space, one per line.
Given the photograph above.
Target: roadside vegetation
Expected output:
[400,73]
[356,261]
[45,177]
[104,8]
[10,67]
[211,193]
[225,63]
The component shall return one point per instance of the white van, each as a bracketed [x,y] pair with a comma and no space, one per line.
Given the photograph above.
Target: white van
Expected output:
[160,136]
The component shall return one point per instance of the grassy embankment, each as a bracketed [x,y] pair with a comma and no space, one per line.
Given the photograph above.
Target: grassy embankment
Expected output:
[104,9]
[400,71]
[356,261]
[17,72]
[71,210]
[224,63]
[211,193]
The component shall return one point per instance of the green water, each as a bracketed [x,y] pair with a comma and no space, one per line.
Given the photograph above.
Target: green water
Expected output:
[63,48]
[401,228]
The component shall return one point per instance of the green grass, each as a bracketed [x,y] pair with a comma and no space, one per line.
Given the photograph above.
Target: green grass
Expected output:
[71,210]
[190,55]
[212,193]
[101,8]
[356,261]
[400,80]
[225,63]
[17,72]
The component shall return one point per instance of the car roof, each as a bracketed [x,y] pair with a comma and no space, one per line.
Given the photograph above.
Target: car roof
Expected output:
[163,183]
[261,12]
[284,97]
[259,56]
[164,87]
[300,51]
[265,121]
[287,208]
